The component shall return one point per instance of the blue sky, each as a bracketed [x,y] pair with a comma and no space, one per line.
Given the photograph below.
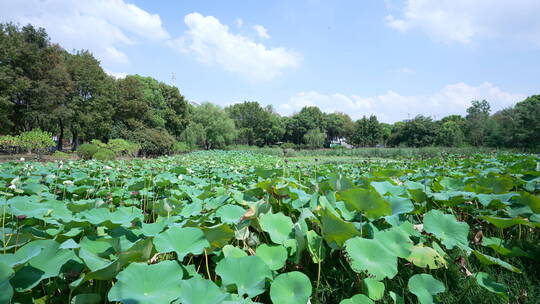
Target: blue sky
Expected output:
[394,59]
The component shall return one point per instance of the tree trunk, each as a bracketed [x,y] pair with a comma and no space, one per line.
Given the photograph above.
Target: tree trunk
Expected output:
[60,143]
[75,143]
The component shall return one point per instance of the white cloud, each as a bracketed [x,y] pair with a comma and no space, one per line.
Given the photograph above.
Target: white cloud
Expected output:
[407,70]
[213,44]
[101,26]
[117,75]
[465,21]
[261,31]
[392,106]
[239,22]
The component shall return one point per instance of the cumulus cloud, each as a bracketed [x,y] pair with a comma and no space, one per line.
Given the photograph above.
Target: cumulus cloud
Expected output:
[102,26]
[392,106]
[214,44]
[239,22]
[465,21]
[261,31]
[117,75]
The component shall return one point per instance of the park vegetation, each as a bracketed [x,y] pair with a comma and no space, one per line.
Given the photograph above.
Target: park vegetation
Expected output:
[44,87]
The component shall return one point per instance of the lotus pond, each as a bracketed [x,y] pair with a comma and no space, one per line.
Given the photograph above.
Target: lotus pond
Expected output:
[240,227]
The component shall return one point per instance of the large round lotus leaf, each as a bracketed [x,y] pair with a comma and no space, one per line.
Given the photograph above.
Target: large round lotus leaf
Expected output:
[141,283]
[374,288]
[370,203]
[424,286]
[445,226]
[233,252]
[278,225]
[22,255]
[369,255]
[230,214]
[396,241]
[386,187]
[6,291]
[336,231]
[422,256]
[183,241]
[218,236]
[485,281]
[290,288]
[530,200]
[357,299]
[274,256]
[248,273]
[46,264]
[200,291]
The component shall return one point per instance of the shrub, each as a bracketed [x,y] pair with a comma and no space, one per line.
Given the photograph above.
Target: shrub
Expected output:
[289,145]
[180,147]
[58,155]
[154,141]
[9,143]
[87,151]
[123,147]
[98,143]
[104,154]
[35,141]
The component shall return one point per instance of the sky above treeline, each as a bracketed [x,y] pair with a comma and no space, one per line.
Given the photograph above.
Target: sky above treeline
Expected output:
[392,58]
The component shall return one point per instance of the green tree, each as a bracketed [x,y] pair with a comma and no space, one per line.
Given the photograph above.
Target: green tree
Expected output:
[338,125]
[368,132]
[35,81]
[218,129]
[256,125]
[90,107]
[420,131]
[300,123]
[450,135]
[477,117]
[314,138]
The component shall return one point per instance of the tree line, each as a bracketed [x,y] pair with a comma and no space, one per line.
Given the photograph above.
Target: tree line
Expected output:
[70,95]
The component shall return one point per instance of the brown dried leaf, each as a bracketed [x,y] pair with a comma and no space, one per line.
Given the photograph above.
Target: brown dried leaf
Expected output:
[249,213]
[463,266]
[477,239]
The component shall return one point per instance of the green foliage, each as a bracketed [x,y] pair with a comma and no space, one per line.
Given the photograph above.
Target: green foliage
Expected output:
[87,151]
[122,147]
[367,132]
[210,128]
[256,125]
[219,226]
[181,147]
[60,155]
[35,141]
[314,138]
[420,131]
[104,154]
[477,118]
[154,141]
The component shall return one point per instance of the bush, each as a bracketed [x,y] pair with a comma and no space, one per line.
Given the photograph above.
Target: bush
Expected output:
[35,141]
[9,143]
[58,155]
[181,147]
[289,145]
[123,147]
[154,141]
[104,154]
[87,151]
